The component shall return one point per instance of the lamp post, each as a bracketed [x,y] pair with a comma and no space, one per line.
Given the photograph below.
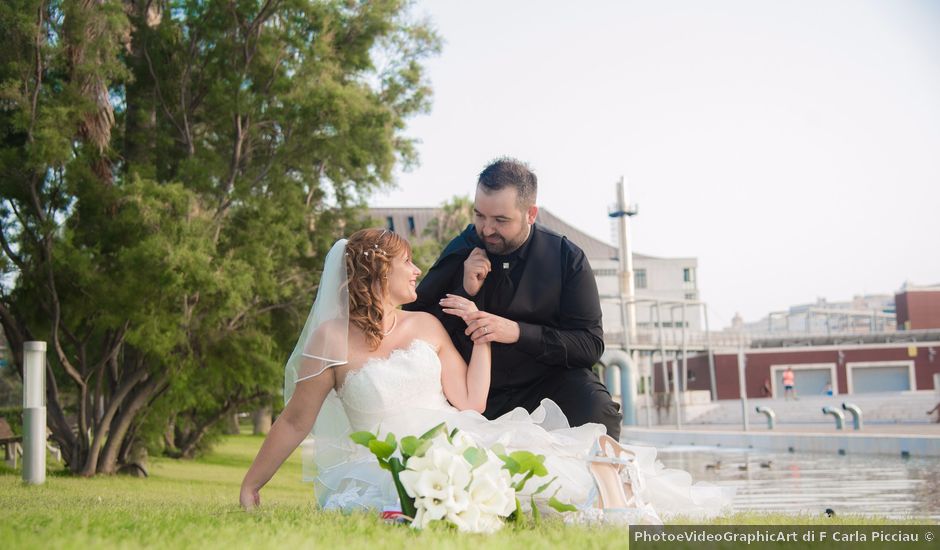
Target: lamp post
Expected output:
[742,383]
[34,413]
[622,212]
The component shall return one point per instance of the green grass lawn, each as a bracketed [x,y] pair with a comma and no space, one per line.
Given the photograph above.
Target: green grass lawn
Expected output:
[194,504]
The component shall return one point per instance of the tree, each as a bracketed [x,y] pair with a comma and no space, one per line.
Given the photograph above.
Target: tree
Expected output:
[451,219]
[171,175]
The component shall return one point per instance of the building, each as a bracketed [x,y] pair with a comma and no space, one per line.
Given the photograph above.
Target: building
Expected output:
[671,280]
[861,315]
[409,222]
[873,365]
[849,362]
[918,307]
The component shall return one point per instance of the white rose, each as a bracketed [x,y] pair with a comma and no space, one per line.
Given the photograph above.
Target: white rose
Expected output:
[467,520]
[409,479]
[457,500]
[434,508]
[462,441]
[441,456]
[491,493]
[459,471]
[493,465]
[489,523]
[421,517]
[419,463]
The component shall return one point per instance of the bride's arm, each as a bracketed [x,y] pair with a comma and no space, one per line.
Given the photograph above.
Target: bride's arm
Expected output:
[465,386]
[291,427]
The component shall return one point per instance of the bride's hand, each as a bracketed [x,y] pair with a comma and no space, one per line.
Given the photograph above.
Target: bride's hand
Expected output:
[458,305]
[249,498]
[483,328]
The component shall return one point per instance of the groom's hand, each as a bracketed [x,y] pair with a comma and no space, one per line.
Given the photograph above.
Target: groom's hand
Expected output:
[483,327]
[475,269]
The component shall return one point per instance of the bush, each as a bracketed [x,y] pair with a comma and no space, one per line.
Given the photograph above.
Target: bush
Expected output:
[14,417]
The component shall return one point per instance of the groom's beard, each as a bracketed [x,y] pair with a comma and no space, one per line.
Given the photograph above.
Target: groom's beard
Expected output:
[503,246]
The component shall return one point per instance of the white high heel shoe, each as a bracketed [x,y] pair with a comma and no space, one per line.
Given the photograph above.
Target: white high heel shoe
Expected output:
[618,484]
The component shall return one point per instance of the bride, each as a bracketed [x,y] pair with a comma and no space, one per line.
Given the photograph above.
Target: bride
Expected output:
[361,363]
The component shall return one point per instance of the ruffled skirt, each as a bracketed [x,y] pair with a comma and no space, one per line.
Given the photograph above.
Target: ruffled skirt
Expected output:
[355,482]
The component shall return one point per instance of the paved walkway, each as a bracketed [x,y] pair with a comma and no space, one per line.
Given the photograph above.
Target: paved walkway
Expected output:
[869,428]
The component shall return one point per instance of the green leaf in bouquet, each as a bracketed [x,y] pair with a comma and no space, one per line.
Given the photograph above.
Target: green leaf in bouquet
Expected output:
[433,432]
[498,449]
[381,449]
[530,462]
[510,464]
[560,506]
[450,436]
[520,485]
[396,466]
[475,456]
[516,515]
[409,445]
[390,440]
[536,514]
[545,486]
[362,438]
[423,447]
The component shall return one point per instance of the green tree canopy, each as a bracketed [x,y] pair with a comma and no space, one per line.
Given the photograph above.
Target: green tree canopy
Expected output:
[171,174]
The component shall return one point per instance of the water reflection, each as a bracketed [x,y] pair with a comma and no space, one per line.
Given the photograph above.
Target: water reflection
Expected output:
[810,483]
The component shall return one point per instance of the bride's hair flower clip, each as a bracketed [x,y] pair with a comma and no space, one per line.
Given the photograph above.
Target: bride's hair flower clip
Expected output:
[369,252]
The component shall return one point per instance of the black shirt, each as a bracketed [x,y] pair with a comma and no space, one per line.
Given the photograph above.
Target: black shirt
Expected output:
[495,301]
[555,303]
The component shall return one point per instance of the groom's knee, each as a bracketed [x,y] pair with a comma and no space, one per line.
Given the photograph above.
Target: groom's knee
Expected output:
[606,411]
[592,403]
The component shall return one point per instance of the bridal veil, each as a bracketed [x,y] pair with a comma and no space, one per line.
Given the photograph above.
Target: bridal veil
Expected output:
[323,344]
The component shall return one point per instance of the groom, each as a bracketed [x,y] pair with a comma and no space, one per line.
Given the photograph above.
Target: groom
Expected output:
[537,298]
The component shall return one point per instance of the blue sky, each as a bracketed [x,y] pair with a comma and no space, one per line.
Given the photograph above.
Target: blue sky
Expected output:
[792,147]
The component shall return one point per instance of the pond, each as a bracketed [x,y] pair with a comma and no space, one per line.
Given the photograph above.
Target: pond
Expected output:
[776,482]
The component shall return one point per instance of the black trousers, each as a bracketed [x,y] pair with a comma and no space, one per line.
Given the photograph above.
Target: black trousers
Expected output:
[579,393]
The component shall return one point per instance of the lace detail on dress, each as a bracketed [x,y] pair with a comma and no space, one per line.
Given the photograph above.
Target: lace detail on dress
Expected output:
[407,379]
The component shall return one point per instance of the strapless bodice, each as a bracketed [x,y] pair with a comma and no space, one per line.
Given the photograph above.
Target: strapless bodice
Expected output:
[409,378]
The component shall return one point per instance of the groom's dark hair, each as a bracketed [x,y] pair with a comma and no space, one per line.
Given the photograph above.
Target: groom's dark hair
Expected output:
[509,172]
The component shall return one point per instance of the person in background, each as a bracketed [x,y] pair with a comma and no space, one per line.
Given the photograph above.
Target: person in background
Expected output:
[789,380]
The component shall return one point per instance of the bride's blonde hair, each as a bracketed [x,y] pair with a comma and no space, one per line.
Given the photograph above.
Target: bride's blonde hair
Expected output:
[369,254]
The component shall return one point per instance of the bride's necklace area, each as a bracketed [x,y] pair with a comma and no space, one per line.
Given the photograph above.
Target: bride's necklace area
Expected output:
[394,324]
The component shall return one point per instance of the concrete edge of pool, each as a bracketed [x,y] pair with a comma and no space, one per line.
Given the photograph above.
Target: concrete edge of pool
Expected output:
[912,445]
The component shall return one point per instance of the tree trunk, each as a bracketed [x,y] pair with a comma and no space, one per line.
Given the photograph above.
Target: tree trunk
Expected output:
[261,420]
[169,435]
[231,424]
[188,449]
[91,462]
[228,414]
[107,462]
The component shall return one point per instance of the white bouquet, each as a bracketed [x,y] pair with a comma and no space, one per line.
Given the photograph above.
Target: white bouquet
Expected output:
[447,477]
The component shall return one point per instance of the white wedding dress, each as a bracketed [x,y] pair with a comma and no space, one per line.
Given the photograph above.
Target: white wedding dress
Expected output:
[402,394]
